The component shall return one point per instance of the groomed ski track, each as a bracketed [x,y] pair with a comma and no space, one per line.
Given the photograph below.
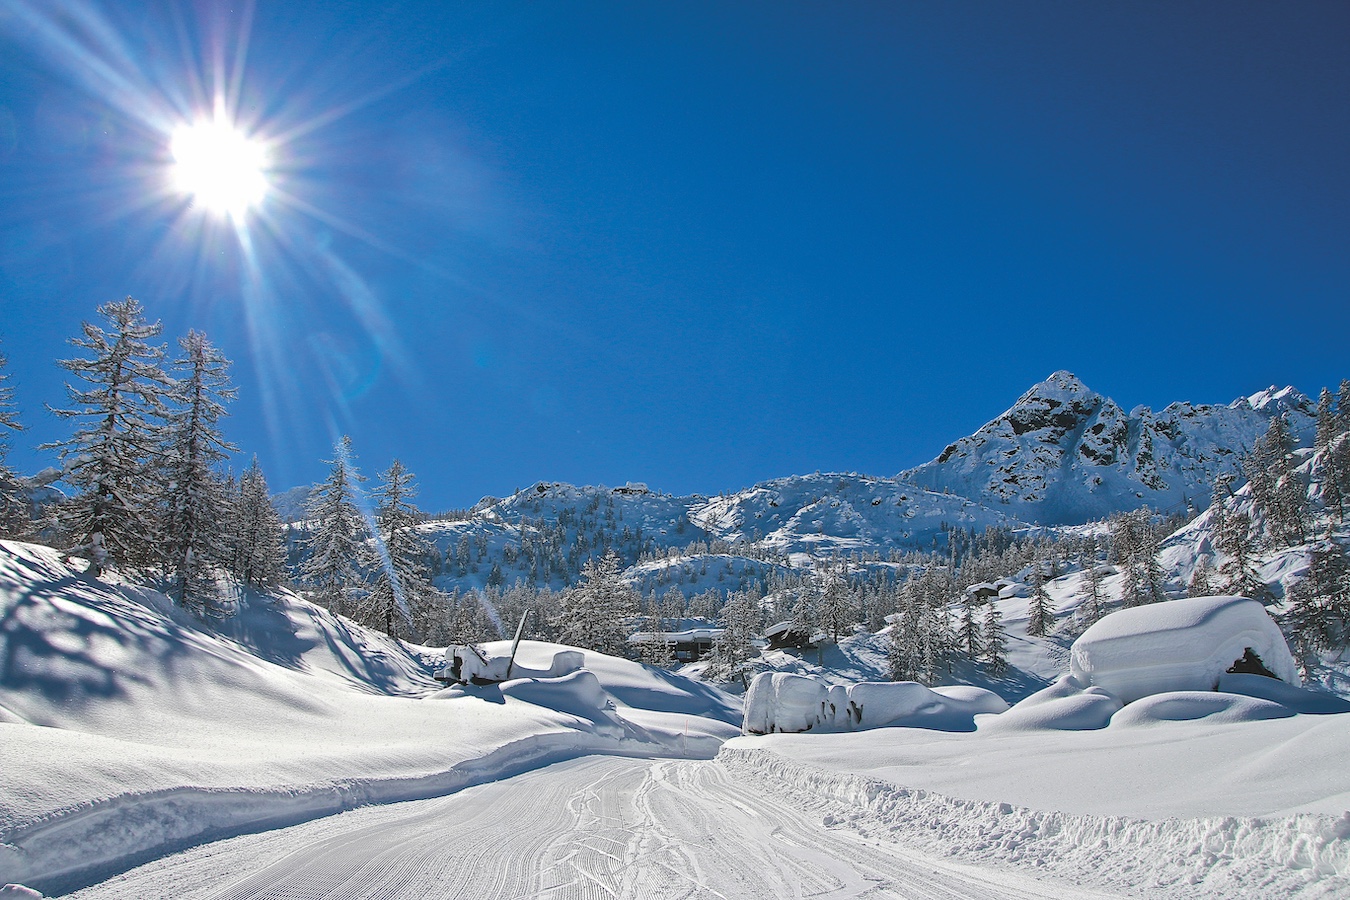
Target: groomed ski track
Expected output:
[592,827]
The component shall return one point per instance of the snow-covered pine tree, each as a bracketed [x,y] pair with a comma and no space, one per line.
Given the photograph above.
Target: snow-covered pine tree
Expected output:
[1332,447]
[904,653]
[194,502]
[1318,618]
[1234,539]
[1276,488]
[259,553]
[1040,616]
[337,535]
[400,583]
[1092,601]
[835,609]
[13,508]
[112,518]
[995,641]
[1200,584]
[594,613]
[970,632]
[1134,543]
[735,648]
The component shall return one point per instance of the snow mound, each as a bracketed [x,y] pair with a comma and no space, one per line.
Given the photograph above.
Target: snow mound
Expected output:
[782,702]
[1179,645]
[1300,700]
[1066,705]
[1187,706]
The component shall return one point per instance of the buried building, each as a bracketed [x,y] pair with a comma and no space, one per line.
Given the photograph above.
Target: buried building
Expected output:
[1180,645]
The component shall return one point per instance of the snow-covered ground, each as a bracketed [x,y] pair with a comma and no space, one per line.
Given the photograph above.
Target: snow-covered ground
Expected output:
[288,753]
[127,727]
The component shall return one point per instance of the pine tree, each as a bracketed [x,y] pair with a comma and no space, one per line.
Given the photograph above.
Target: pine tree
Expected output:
[995,641]
[734,649]
[835,610]
[1333,452]
[194,499]
[970,633]
[13,507]
[1318,619]
[1200,584]
[1134,543]
[259,555]
[401,582]
[595,613]
[1276,488]
[1092,604]
[1234,540]
[338,534]
[1040,616]
[108,459]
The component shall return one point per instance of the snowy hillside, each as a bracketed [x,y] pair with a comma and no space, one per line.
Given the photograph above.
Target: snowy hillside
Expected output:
[158,728]
[1064,454]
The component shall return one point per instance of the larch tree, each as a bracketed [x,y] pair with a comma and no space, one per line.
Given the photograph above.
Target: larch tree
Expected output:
[1040,614]
[594,613]
[259,553]
[195,503]
[1318,618]
[13,507]
[1233,537]
[400,583]
[1091,600]
[120,412]
[337,535]
[995,655]
[735,649]
[970,631]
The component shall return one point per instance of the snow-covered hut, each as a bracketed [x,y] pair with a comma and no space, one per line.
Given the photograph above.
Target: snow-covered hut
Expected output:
[1180,645]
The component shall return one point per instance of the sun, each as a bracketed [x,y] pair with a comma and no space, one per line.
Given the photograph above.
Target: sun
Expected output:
[222,168]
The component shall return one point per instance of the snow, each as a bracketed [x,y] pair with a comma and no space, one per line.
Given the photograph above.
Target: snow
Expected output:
[783,702]
[1177,645]
[132,726]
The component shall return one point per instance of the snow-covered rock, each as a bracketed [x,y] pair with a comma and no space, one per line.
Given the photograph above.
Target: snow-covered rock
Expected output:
[783,702]
[1180,645]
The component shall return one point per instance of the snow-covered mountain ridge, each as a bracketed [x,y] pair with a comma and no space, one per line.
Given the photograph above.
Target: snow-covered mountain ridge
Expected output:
[1064,454]
[1061,455]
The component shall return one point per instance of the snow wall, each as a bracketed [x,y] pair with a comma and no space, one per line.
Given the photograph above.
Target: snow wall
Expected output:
[1179,645]
[781,701]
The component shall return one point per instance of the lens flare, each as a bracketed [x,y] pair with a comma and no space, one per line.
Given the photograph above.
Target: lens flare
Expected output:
[219,166]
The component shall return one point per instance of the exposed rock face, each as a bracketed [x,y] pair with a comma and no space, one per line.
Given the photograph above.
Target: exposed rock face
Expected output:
[1064,453]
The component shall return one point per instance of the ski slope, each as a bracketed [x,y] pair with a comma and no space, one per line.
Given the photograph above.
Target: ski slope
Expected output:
[592,827]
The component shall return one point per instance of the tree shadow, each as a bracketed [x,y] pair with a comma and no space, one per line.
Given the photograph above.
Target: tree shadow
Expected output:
[75,641]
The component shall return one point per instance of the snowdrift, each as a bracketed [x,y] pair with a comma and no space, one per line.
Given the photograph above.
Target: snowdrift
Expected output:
[783,702]
[1180,645]
[128,726]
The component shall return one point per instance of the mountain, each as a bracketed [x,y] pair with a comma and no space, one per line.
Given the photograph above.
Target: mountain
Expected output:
[1061,455]
[1064,454]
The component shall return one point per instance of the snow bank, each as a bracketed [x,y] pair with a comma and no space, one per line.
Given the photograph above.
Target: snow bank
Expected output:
[1287,856]
[1179,645]
[782,702]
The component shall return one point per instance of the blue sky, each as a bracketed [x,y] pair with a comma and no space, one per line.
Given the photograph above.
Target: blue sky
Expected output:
[696,245]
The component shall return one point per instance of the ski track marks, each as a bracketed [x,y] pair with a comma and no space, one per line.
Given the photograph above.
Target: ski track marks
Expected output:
[595,827]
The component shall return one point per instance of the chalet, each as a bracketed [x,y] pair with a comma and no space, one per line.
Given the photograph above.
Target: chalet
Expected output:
[689,645]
